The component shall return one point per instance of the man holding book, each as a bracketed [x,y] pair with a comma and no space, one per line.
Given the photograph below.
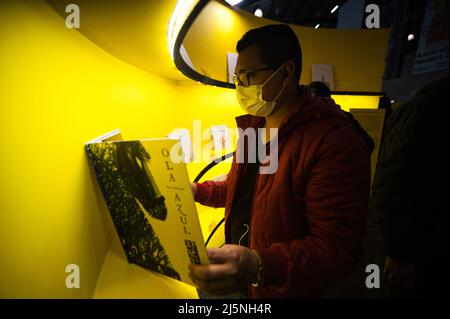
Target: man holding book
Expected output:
[296,231]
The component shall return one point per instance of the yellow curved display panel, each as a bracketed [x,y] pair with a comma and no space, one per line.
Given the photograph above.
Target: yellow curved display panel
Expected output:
[59,90]
[357,56]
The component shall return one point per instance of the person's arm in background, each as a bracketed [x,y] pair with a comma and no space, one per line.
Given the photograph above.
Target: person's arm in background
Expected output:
[394,195]
[407,194]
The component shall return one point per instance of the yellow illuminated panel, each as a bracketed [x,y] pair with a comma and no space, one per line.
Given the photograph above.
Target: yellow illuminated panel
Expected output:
[348,102]
[218,28]
[59,90]
[182,10]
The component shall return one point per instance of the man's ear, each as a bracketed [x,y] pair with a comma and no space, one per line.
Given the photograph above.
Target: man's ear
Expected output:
[290,72]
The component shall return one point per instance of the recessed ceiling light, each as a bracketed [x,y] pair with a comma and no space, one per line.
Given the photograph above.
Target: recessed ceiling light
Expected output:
[410,37]
[258,13]
[233,2]
[334,9]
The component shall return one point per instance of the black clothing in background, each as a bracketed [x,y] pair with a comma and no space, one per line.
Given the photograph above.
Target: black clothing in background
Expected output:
[410,188]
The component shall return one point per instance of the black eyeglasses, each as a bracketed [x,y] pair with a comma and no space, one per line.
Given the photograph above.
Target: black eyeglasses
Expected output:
[243,78]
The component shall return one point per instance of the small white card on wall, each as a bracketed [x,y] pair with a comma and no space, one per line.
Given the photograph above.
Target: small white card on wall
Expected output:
[323,73]
[231,65]
[220,137]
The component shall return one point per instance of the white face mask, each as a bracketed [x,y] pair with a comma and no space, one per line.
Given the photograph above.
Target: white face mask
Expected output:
[251,100]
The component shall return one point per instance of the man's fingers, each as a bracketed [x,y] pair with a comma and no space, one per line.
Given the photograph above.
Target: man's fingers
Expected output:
[212,271]
[216,287]
[217,279]
[223,254]
[217,256]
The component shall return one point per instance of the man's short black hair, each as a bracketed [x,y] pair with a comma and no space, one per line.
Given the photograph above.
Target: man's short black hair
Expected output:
[319,89]
[277,42]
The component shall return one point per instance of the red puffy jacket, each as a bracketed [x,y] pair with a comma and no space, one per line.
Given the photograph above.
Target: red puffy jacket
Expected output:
[308,219]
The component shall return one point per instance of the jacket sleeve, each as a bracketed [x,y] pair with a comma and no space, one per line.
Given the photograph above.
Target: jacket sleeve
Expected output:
[212,193]
[398,186]
[336,203]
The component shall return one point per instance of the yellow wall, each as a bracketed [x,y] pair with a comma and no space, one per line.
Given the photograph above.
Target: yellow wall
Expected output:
[57,91]
[358,56]
[134,32]
[348,102]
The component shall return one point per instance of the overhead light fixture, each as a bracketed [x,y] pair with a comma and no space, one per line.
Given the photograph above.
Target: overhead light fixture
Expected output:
[177,18]
[410,37]
[258,13]
[317,26]
[334,9]
[233,2]
[179,15]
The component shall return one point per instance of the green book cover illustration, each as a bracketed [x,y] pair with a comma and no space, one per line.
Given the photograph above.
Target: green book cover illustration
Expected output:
[148,193]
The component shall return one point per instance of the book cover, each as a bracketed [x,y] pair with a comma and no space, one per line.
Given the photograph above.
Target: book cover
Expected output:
[150,200]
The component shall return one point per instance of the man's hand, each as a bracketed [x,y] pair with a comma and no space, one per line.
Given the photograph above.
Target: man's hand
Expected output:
[400,273]
[232,268]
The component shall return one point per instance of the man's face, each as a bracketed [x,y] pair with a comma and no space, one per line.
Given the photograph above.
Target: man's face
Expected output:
[249,61]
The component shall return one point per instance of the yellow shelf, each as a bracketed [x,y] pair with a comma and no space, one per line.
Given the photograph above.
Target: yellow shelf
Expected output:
[120,279]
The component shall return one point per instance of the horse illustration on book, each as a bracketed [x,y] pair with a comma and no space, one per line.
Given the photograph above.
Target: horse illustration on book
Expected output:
[127,184]
[131,159]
